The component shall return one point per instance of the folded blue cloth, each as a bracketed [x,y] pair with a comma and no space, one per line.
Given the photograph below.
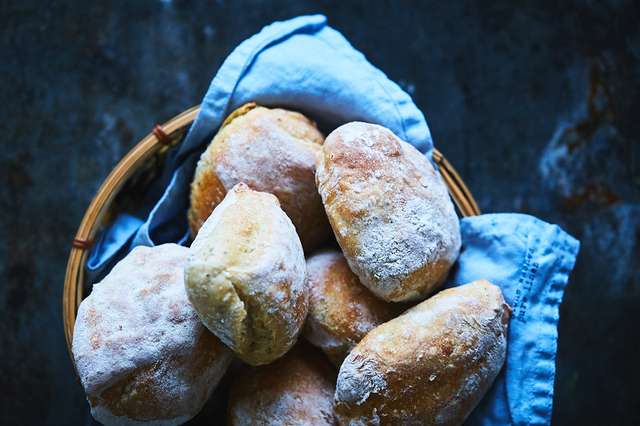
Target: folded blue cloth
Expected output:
[304,65]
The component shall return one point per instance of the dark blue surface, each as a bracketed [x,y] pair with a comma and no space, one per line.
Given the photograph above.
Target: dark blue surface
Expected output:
[535,104]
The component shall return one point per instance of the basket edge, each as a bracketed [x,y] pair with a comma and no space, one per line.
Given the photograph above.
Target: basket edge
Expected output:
[72,293]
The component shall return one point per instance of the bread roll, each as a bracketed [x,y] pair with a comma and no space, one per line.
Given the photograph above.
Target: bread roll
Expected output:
[142,354]
[431,365]
[294,390]
[390,211]
[246,276]
[341,310]
[271,150]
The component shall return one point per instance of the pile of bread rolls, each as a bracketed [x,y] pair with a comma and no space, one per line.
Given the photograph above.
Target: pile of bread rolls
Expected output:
[269,200]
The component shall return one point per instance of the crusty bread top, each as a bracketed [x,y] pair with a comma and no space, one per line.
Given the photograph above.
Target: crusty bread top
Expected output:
[341,310]
[432,364]
[297,389]
[136,315]
[390,211]
[271,150]
[246,276]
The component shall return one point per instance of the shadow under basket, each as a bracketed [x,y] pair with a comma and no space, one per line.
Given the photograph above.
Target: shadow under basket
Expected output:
[134,174]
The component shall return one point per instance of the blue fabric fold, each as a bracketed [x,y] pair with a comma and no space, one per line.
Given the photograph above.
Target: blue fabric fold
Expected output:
[304,65]
[110,245]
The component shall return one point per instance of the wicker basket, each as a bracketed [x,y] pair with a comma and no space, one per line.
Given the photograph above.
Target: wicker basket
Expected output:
[132,173]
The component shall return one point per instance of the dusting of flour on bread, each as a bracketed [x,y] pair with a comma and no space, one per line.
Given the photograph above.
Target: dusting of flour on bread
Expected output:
[271,150]
[131,317]
[390,211]
[137,337]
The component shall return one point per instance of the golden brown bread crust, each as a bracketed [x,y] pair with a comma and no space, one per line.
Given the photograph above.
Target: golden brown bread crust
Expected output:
[271,150]
[431,365]
[142,353]
[246,276]
[389,209]
[341,310]
[294,390]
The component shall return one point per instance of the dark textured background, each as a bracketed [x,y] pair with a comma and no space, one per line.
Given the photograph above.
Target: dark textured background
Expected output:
[537,105]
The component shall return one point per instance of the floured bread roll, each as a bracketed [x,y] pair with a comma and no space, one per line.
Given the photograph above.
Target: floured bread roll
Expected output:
[271,150]
[142,354]
[341,310]
[389,209]
[246,276]
[295,390]
[431,365]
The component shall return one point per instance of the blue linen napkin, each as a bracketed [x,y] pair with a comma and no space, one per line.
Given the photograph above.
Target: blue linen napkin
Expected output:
[304,65]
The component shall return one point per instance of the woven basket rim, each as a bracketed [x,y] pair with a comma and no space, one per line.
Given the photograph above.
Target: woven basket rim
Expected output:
[91,222]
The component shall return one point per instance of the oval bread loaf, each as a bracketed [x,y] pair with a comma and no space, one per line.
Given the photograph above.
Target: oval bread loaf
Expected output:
[429,366]
[341,310]
[389,209]
[271,150]
[142,354]
[246,276]
[295,390]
